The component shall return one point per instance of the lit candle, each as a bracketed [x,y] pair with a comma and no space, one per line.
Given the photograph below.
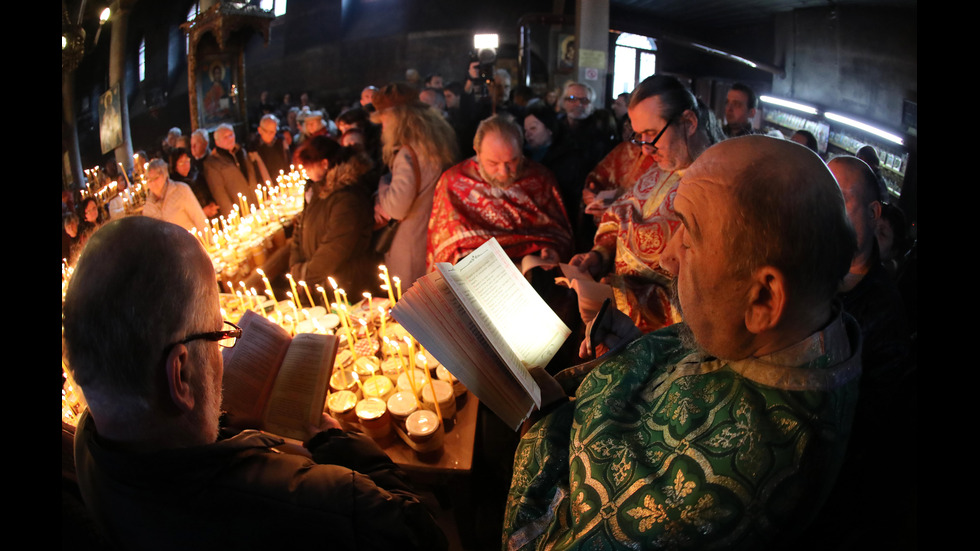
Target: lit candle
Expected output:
[381,311]
[398,285]
[367,330]
[307,289]
[323,292]
[292,285]
[268,286]
[292,303]
[387,280]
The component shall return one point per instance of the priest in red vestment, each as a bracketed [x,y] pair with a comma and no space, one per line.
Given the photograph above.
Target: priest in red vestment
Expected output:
[498,193]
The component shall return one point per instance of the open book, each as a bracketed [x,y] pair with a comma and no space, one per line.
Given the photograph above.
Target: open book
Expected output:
[275,382]
[485,323]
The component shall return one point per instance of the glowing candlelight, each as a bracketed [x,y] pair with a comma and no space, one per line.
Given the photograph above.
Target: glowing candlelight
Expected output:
[292,285]
[387,280]
[307,289]
[398,285]
[381,311]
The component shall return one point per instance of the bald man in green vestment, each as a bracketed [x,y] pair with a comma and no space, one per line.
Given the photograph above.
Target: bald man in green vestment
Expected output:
[725,431]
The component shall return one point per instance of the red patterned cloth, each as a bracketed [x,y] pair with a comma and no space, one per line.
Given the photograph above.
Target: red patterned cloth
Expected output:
[621,168]
[526,217]
[634,231]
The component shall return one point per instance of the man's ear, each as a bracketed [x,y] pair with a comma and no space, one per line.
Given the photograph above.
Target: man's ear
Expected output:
[691,119]
[178,378]
[752,113]
[767,300]
[875,208]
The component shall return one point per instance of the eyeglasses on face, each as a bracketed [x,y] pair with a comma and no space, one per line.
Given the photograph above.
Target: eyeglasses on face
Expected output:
[636,138]
[225,339]
[578,99]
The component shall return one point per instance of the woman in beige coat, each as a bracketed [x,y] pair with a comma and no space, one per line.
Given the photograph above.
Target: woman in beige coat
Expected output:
[418,146]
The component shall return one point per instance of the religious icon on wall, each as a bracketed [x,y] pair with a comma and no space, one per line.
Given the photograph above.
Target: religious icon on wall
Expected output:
[110,119]
[215,87]
[566,53]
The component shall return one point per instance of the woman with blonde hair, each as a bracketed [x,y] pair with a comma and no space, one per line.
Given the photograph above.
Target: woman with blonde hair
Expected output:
[418,145]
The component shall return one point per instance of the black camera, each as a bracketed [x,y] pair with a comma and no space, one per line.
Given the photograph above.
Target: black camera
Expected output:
[486,58]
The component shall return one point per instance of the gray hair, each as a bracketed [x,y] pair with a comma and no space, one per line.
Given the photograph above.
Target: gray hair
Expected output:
[202,134]
[501,124]
[139,285]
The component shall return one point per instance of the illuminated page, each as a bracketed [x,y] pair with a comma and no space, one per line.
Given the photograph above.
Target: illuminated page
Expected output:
[300,390]
[521,326]
[431,312]
[250,368]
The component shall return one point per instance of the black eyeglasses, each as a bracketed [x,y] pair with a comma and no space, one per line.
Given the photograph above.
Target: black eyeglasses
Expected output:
[225,339]
[580,99]
[635,137]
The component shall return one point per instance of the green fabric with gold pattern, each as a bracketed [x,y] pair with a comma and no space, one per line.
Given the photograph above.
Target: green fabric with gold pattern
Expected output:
[664,449]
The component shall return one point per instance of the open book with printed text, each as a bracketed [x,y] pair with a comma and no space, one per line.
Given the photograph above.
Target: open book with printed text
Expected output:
[485,323]
[275,382]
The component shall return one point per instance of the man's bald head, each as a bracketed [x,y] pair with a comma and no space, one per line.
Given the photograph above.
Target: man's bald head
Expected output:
[139,285]
[860,188]
[787,213]
[762,246]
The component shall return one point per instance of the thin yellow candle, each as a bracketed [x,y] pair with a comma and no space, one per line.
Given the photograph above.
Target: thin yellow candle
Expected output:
[347,322]
[350,340]
[343,295]
[307,289]
[322,291]
[411,365]
[292,303]
[367,330]
[292,285]
[387,280]
[381,311]
[265,280]
[435,398]
[398,285]
[272,296]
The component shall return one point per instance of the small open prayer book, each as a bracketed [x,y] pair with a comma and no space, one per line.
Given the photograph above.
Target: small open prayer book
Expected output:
[275,382]
[485,323]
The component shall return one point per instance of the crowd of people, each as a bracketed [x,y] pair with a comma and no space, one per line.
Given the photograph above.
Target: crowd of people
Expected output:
[753,291]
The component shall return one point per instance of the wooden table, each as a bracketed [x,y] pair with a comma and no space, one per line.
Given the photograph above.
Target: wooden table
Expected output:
[457,452]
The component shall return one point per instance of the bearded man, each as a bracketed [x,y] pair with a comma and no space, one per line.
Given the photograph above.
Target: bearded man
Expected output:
[498,193]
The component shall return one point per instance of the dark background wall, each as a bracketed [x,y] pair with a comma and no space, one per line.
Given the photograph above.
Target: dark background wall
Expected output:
[860,61]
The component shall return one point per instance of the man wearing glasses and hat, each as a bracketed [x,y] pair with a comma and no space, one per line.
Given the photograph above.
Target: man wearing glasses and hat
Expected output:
[671,130]
[143,334]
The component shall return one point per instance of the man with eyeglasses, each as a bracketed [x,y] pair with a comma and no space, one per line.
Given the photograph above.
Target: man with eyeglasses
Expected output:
[143,334]
[172,201]
[670,130]
[272,149]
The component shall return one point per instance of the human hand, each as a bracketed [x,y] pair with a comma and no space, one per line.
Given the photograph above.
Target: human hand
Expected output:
[380,216]
[210,210]
[551,391]
[474,69]
[326,423]
[590,262]
[609,329]
[588,193]
[550,255]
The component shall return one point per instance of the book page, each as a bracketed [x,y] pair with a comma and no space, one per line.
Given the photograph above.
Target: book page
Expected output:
[250,369]
[532,329]
[430,311]
[300,390]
